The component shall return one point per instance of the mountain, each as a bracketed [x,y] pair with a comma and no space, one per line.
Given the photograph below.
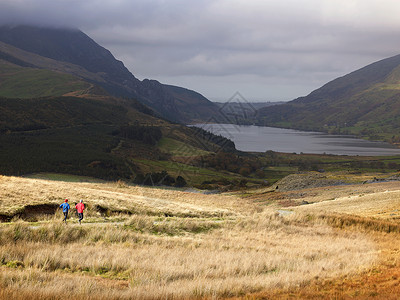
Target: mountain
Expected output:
[365,102]
[200,107]
[70,51]
[68,106]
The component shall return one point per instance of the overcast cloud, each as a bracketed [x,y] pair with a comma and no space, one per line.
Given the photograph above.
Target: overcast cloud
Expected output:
[267,50]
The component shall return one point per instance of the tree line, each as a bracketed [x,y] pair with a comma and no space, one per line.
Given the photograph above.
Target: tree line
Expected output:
[147,134]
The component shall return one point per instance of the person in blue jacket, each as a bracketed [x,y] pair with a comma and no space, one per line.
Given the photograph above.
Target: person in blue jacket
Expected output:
[65,207]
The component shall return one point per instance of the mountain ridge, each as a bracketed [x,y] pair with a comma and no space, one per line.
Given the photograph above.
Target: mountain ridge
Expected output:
[355,81]
[72,51]
[365,102]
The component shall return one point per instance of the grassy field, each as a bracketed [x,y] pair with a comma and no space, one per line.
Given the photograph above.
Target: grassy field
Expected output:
[194,175]
[152,243]
[177,148]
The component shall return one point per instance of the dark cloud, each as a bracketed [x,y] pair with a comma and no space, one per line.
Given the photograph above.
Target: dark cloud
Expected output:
[265,49]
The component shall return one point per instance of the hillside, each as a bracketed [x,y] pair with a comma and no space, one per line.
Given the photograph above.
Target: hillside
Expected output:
[73,52]
[201,109]
[365,102]
[99,136]
[20,82]
[151,243]
[68,106]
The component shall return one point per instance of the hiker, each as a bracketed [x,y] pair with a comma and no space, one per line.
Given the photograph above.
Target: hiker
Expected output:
[80,207]
[65,207]
[76,212]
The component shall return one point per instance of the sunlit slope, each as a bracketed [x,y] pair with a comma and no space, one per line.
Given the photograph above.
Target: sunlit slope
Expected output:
[380,204]
[140,242]
[115,197]
[365,102]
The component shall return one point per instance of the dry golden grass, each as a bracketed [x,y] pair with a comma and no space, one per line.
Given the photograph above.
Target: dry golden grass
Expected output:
[228,247]
[370,208]
[248,255]
[16,193]
[382,281]
[322,194]
[382,204]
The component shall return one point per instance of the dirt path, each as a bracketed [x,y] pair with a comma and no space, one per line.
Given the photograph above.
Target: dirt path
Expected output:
[75,223]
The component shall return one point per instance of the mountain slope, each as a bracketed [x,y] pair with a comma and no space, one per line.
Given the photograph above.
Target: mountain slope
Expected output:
[200,107]
[71,51]
[20,82]
[365,102]
[102,137]
[66,45]
[61,111]
[355,82]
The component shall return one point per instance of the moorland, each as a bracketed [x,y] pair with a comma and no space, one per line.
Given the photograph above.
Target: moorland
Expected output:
[327,241]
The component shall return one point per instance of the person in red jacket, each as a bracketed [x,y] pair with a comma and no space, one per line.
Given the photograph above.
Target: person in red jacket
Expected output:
[80,207]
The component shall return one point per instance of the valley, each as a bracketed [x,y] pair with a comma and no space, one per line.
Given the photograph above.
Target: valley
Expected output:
[179,212]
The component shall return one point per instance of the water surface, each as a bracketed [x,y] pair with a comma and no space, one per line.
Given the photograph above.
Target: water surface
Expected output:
[261,139]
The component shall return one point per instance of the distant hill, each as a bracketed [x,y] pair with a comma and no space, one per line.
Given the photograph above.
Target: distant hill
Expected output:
[365,102]
[243,113]
[72,52]
[256,105]
[201,109]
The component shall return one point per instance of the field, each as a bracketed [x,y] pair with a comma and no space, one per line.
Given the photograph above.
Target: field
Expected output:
[151,243]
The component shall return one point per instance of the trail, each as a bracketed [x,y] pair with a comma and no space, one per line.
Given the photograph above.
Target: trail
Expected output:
[75,223]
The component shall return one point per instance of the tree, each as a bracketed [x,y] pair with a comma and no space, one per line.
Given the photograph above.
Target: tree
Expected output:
[180,181]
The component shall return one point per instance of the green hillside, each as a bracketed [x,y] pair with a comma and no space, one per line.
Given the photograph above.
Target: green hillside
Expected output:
[104,137]
[365,103]
[19,82]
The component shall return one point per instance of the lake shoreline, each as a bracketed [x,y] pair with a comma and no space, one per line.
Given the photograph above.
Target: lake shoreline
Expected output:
[252,138]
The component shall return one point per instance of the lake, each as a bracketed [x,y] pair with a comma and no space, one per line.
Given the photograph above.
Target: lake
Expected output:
[261,139]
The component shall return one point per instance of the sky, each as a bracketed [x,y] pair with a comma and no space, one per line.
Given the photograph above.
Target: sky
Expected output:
[266,50]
